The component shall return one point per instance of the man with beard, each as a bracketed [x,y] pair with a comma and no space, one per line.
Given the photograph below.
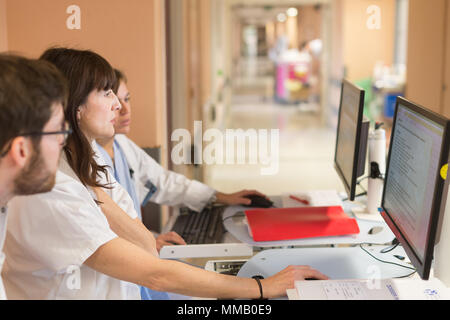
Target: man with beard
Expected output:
[33,130]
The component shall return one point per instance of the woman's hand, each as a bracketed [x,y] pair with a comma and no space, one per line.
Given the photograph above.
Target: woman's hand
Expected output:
[169,239]
[237,198]
[276,285]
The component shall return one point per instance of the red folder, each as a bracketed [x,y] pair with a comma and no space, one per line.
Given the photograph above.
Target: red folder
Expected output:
[297,223]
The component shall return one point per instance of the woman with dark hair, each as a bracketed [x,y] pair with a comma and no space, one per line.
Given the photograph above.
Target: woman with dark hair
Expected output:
[84,251]
[83,84]
[150,181]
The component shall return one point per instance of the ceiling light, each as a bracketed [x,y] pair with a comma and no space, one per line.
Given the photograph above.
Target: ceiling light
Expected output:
[281,17]
[292,12]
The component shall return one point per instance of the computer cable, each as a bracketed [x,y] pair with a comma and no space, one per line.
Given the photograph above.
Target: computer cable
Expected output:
[359,184]
[237,214]
[395,244]
[362,179]
[387,262]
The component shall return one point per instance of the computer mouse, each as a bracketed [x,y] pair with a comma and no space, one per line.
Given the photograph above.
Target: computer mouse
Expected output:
[375,230]
[258,201]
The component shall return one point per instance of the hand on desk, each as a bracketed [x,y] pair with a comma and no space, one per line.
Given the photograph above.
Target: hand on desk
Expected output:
[169,239]
[237,198]
[276,285]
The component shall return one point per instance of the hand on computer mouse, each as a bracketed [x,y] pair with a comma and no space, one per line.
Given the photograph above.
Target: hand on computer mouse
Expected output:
[238,198]
[259,202]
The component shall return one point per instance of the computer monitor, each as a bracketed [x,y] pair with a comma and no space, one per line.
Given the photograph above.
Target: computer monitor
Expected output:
[351,138]
[415,193]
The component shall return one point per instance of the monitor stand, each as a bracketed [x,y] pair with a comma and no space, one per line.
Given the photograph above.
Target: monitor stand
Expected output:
[368,208]
[377,167]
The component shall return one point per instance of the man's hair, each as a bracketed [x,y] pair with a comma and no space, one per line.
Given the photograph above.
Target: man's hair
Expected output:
[85,71]
[28,91]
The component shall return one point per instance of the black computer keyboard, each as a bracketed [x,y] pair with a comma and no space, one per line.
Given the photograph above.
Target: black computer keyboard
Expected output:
[200,227]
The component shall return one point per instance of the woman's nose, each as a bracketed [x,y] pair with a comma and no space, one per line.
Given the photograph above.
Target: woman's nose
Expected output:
[125,107]
[116,105]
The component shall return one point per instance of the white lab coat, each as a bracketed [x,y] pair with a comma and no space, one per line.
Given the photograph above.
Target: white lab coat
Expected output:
[50,236]
[3,221]
[171,188]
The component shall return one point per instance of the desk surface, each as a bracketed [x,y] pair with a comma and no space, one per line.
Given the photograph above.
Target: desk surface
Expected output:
[336,263]
[238,233]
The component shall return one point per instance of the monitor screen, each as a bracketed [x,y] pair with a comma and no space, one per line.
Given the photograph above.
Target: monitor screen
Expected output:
[351,139]
[413,187]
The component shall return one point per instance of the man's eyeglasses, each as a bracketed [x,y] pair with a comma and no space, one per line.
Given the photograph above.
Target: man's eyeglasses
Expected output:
[66,131]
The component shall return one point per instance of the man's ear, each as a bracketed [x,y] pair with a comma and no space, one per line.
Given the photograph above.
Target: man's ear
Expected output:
[21,150]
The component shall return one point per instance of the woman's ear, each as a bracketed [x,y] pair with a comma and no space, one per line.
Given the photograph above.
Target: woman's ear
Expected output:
[79,113]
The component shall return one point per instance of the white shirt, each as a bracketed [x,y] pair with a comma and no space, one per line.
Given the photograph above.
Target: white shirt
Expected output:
[171,188]
[3,221]
[51,235]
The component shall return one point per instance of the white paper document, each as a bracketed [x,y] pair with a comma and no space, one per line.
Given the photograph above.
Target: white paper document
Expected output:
[374,289]
[316,198]
[351,290]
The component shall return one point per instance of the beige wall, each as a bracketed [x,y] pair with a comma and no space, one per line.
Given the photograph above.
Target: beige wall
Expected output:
[363,47]
[426,34]
[445,104]
[190,69]
[126,33]
[3,33]
[159,80]
[205,39]
[292,32]
[309,24]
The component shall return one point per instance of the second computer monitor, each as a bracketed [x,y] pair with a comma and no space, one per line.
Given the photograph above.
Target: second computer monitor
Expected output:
[415,190]
[351,138]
